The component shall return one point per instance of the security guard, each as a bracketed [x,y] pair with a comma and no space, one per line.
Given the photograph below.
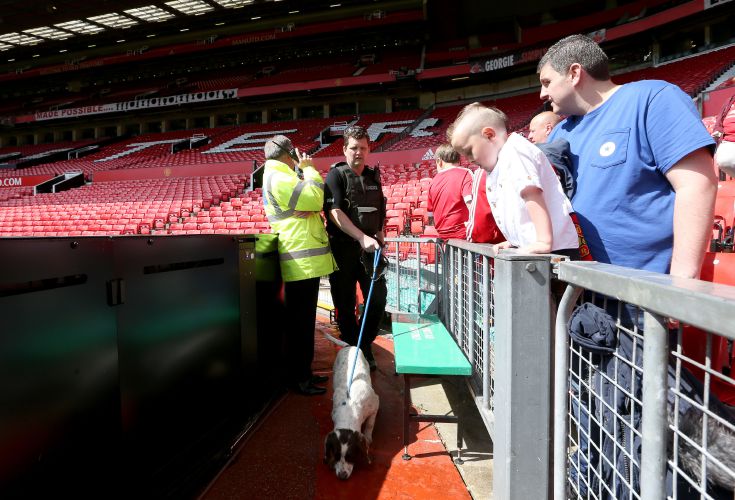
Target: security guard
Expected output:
[355,208]
[293,205]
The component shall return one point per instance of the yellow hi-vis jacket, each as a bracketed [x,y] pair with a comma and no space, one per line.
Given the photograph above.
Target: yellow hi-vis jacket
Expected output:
[293,207]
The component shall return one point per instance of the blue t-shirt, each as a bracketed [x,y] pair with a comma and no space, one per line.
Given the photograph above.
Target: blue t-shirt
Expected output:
[620,154]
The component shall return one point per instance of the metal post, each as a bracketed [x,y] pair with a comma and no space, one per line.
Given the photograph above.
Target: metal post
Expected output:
[653,424]
[418,277]
[450,289]
[440,283]
[459,326]
[398,274]
[471,313]
[486,331]
[561,378]
[522,376]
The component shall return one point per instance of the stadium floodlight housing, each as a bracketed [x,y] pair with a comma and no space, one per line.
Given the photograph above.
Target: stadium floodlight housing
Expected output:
[113,20]
[49,33]
[233,4]
[190,7]
[150,13]
[81,27]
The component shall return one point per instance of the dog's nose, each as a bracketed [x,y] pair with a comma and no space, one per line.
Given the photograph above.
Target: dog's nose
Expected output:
[343,475]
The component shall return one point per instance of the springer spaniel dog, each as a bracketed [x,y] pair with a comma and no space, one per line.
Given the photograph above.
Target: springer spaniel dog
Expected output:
[349,442]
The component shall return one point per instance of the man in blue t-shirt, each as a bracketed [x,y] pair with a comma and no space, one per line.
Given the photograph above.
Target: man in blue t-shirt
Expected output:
[641,158]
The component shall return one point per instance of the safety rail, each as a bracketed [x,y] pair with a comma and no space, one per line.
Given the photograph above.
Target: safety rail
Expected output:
[413,274]
[561,421]
[498,310]
[644,421]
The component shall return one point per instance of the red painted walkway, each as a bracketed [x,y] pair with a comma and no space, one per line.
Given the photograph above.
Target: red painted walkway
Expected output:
[282,457]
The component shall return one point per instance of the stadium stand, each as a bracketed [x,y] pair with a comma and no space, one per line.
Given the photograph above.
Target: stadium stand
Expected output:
[692,73]
[119,207]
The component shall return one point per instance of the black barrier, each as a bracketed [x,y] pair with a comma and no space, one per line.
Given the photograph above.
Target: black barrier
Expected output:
[126,363]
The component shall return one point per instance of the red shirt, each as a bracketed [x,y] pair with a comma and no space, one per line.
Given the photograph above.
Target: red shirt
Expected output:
[447,193]
[482,227]
[728,124]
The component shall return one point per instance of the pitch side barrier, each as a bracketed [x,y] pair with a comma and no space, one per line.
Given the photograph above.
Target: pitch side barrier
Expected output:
[564,429]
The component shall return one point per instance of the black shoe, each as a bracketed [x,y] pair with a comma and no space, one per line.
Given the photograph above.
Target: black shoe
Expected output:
[308,389]
[318,379]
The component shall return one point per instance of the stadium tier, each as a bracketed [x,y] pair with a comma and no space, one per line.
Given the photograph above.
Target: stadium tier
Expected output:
[692,73]
[116,207]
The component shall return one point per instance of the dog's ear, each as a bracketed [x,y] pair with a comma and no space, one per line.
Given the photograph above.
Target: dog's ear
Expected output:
[363,447]
[332,449]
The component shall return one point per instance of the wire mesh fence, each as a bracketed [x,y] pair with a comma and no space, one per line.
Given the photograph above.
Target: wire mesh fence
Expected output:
[413,274]
[427,275]
[641,409]
[469,311]
[646,399]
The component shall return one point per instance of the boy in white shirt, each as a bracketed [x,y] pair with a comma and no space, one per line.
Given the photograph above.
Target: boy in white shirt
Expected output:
[525,195]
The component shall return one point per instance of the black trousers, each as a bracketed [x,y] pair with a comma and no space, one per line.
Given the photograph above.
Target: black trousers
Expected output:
[300,298]
[343,283]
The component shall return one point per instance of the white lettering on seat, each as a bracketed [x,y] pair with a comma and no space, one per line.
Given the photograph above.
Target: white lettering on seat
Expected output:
[135,147]
[252,140]
[377,129]
[420,130]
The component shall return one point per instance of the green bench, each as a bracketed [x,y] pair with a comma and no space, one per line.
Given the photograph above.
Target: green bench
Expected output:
[423,346]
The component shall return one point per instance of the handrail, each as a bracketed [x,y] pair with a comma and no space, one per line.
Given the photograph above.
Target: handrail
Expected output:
[707,304]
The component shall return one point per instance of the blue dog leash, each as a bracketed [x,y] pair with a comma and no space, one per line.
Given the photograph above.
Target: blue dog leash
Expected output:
[376,260]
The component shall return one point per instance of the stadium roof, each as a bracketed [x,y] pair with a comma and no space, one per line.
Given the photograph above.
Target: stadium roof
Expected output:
[66,25]
[53,26]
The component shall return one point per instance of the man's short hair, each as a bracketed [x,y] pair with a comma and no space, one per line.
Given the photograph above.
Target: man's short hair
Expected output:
[447,154]
[579,49]
[482,116]
[357,132]
[276,147]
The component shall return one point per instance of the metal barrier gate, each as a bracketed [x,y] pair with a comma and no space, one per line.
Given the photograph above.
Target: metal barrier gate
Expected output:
[660,432]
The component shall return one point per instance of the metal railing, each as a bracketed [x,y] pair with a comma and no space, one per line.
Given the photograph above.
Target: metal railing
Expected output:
[638,420]
[468,312]
[498,310]
[413,274]
[644,420]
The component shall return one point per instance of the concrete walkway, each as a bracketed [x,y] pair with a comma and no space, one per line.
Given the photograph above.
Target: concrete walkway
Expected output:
[450,395]
[282,456]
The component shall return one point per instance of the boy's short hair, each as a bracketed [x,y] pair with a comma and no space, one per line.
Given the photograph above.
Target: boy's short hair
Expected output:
[579,49]
[447,154]
[481,116]
[357,132]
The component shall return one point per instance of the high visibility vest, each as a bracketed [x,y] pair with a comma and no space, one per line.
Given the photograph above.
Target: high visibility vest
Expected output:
[293,207]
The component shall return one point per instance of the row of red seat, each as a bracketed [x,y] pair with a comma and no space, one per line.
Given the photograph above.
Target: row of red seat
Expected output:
[121,207]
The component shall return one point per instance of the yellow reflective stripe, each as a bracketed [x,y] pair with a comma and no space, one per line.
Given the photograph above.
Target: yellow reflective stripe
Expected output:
[281,214]
[300,187]
[300,254]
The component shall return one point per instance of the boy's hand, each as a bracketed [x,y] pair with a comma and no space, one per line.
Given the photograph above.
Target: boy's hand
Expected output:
[500,246]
